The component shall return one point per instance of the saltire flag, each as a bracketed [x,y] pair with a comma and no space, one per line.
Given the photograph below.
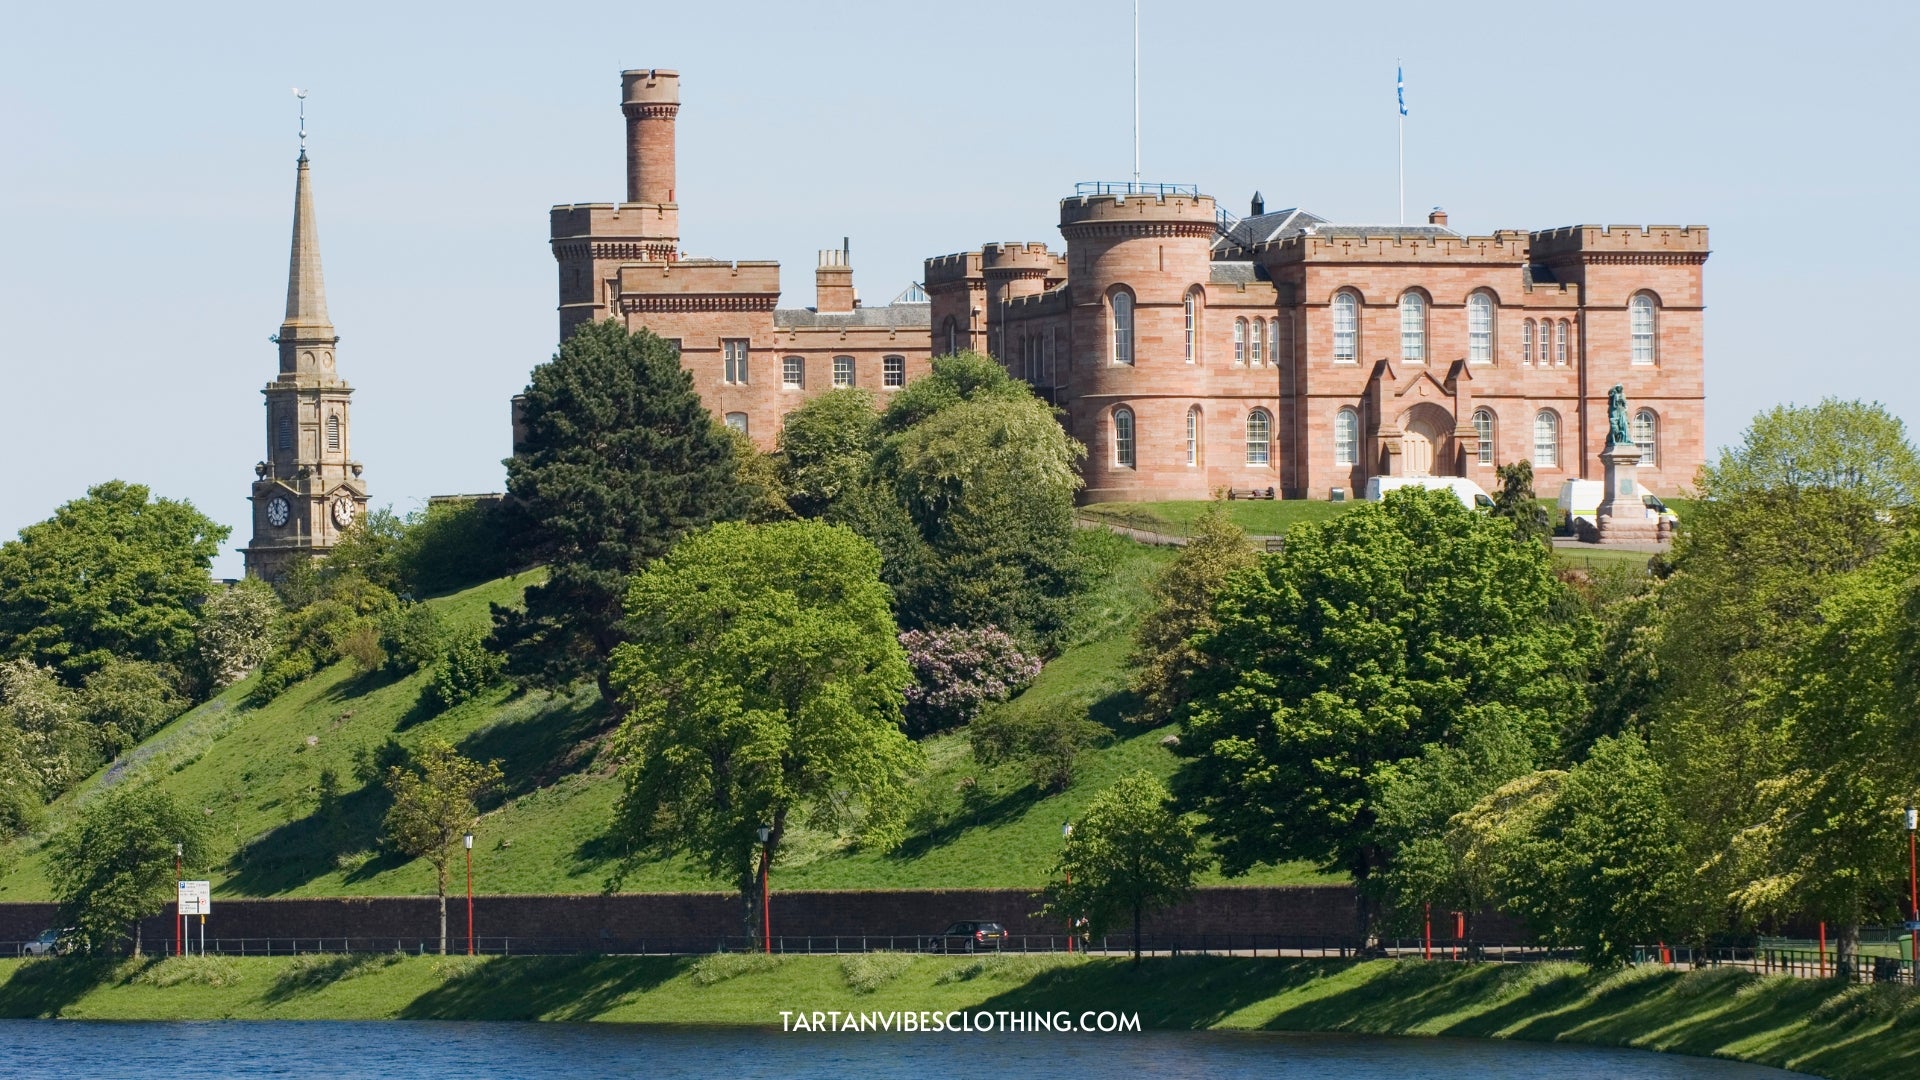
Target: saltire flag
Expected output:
[1400,87]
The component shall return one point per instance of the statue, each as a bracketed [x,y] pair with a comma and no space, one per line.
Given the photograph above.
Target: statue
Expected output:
[1617,432]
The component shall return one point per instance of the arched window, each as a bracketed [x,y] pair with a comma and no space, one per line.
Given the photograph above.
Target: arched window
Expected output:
[1239,341]
[1257,344]
[1346,328]
[1480,328]
[737,421]
[286,432]
[1560,344]
[843,371]
[1546,440]
[1193,435]
[1346,437]
[1123,436]
[1193,325]
[333,432]
[1640,315]
[1123,328]
[893,372]
[1259,437]
[1526,342]
[1413,328]
[793,372]
[1483,430]
[1646,436]
[1546,339]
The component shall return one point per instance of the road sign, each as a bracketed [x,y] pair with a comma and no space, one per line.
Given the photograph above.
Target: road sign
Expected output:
[196,897]
[1913,926]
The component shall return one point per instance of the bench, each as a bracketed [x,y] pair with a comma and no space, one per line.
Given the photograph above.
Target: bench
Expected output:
[1250,493]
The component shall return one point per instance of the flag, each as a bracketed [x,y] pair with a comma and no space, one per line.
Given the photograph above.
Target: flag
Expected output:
[1400,87]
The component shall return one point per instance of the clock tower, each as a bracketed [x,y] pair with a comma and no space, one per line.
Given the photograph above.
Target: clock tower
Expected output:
[308,490]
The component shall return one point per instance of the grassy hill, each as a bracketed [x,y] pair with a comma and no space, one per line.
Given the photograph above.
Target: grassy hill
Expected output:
[292,788]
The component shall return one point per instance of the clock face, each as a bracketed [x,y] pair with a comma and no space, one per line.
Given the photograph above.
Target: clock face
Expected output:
[343,512]
[277,511]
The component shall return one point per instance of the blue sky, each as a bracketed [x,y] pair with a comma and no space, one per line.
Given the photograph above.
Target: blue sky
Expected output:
[146,182]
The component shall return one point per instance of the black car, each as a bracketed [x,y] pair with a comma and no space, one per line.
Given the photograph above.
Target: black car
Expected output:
[975,935]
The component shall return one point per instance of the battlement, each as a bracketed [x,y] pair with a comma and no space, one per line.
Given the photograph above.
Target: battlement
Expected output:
[1016,256]
[587,220]
[1052,302]
[701,277]
[649,86]
[952,269]
[1122,209]
[1638,239]
[1391,244]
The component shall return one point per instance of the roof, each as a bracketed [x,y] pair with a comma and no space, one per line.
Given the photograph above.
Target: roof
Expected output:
[1234,272]
[1368,232]
[1260,228]
[909,315]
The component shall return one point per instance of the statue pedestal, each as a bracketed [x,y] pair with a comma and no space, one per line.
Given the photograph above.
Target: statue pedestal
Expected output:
[1622,518]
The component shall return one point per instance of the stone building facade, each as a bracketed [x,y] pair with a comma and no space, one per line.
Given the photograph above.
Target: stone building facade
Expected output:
[1192,350]
[308,489]
[752,360]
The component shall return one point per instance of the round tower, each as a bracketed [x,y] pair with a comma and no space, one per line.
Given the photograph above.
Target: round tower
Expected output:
[650,98]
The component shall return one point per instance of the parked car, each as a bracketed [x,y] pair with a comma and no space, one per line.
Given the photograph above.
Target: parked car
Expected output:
[1470,494]
[49,943]
[977,935]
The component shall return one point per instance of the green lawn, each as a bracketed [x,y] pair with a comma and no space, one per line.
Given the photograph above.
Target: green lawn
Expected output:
[1260,517]
[258,776]
[1817,1027]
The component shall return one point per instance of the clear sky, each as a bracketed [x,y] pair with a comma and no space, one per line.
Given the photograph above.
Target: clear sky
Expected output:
[146,181]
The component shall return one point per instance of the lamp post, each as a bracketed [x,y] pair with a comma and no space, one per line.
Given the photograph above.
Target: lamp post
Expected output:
[469,840]
[766,913]
[1913,891]
[179,918]
[1066,834]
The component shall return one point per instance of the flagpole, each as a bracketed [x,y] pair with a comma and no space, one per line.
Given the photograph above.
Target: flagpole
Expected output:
[1136,91]
[1400,93]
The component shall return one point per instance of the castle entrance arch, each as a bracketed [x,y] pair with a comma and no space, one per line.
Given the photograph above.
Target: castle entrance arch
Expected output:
[1427,441]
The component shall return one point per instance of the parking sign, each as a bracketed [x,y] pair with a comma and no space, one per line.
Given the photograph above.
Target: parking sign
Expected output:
[196,897]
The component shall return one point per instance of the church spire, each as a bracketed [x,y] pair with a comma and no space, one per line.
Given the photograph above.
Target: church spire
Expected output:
[306,289]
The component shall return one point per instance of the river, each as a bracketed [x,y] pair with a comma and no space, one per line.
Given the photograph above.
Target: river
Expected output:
[61,1049]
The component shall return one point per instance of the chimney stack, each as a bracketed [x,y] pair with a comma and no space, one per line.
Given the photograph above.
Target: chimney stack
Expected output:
[1438,216]
[650,98]
[833,281]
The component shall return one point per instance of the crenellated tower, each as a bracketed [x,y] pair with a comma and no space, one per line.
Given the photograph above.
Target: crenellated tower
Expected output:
[308,489]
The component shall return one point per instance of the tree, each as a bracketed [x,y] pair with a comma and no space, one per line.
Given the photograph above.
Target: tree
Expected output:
[826,447]
[1516,503]
[763,680]
[620,460]
[236,632]
[127,700]
[758,475]
[42,715]
[433,807]
[962,376]
[114,866]
[1164,658]
[1396,626]
[1842,445]
[116,573]
[1131,854]
[956,672]
[1047,739]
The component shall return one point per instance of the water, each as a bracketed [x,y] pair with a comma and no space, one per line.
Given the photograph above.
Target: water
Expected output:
[49,1049]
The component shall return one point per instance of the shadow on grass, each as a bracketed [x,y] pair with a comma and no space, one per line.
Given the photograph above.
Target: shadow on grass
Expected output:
[1000,808]
[307,974]
[558,739]
[41,989]
[540,988]
[1168,992]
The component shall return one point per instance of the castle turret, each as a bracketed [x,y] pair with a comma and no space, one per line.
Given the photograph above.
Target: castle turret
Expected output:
[651,99]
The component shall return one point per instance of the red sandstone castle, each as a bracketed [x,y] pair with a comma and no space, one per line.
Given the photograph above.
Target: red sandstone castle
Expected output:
[1192,350]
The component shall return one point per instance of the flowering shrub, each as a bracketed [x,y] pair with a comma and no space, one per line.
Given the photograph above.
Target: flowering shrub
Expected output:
[956,671]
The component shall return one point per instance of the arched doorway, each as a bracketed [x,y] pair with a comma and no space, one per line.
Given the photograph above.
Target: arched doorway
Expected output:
[1426,441]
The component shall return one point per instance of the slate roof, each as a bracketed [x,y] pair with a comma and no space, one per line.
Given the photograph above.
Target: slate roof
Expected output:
[1260,228]
[1235,272]
[904,315]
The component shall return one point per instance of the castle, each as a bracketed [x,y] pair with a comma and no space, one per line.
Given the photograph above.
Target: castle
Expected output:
[1192,350]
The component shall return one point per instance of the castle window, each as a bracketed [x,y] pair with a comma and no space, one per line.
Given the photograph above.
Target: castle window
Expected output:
[1122,328]
[1560,344]
[1193,435]
[1480,329]
[1646,436]
[1275,339]
[1048,358]
[1192,311]
[1546,440]
[735,352]
[737,421]
[1546,338]
[1346,437]
[893,372]
[1526,342]
[1257,343]
[1259,436]
[285,439]
[1123,437]
[1346,328]
[843,371]
[333,432]
[1483,430]
[1640,312]
[1413,328]
[953,336]
[793,372]
[1239,341]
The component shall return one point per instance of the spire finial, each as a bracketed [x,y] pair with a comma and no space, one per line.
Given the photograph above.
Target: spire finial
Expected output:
[302,95]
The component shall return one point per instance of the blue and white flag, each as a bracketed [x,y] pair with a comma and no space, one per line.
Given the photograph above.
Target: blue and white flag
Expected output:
[1400,87]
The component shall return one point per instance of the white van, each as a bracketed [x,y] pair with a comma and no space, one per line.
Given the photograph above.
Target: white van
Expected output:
[1470,494]
[1580,501]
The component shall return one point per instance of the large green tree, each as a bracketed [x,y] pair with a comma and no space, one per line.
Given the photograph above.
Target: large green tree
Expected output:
[116,573]
[1164,658]
[1395,627]
[826,448]
[114,865]
[764,682]
[619,460]
[1132,854]
[1846,445]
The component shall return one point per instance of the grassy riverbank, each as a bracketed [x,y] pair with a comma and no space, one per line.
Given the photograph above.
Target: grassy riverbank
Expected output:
[1845,1033]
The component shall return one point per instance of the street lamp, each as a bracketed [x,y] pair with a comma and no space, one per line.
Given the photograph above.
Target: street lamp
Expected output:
[469,840]
[179,917]
[766,914]
[1066,834]
[1913,890]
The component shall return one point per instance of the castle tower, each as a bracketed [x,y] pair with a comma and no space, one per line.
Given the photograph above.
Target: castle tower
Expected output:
[308,490]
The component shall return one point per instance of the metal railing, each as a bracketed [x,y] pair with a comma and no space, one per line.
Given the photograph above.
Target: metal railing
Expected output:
[1134,187]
